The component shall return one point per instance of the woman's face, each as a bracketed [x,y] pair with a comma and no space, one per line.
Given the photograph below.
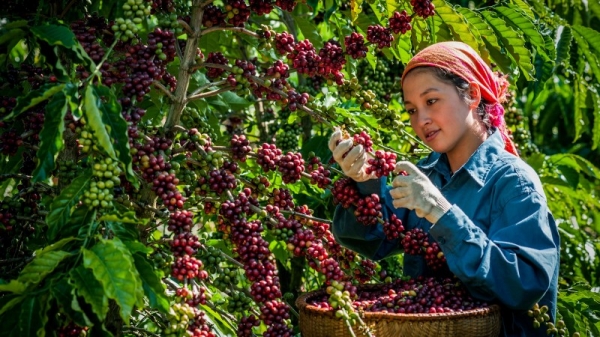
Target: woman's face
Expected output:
[439,116]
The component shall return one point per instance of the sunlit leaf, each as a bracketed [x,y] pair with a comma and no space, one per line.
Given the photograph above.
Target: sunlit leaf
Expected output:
[513,41]
[456,23]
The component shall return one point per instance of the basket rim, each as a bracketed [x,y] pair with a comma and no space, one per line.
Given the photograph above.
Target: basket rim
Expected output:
[303,306]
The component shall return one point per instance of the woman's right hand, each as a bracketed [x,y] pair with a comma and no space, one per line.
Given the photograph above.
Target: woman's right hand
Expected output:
[355,162]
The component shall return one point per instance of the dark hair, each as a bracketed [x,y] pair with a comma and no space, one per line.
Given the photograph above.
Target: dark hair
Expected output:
[462,87]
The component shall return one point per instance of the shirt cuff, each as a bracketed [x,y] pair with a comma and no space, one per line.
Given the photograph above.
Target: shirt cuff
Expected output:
[450,230]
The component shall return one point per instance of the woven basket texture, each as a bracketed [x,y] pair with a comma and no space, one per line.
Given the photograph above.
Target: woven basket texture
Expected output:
[316,322]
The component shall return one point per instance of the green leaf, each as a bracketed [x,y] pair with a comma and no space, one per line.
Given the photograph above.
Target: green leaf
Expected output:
[91,290]
[596,129]
[94,120]
[579,108]
[234,101]
[563,47]
[403,46]
[33,98]
[491,45]
[520,20]
[591,57]
[309,30]
[222,325]
[113,119]
[55,35]
[12,36]
[355,9]
[55,246]
[13,286]
[372,59]
[594,7]
[112,265]
[544,66]
[79,221]
[11,302]
[591,36]
[214,41]
[578,163]
[31,319]
[41,266]
[513,41]
[456,22]
[124,231]
[60,209]
[474,22]
[64,294]
[5,299]
[153,286]
[73,98]
[51,141]
[380,11]
[441,32]
[525,8]
[137,247]
[279,249]
[9,324]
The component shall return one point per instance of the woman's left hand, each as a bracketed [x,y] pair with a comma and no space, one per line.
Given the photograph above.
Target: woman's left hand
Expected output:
[416,191]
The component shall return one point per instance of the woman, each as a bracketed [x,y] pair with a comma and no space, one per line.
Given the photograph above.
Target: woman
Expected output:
[482,204]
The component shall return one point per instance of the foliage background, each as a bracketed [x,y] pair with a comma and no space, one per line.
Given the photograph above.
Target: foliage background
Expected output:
[72,258]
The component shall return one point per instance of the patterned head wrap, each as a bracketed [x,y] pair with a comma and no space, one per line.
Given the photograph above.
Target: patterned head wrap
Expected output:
[460,59]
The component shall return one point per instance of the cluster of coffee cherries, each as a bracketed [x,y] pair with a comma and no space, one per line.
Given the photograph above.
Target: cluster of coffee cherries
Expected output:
[420,295]
[423,8]
[134,12]
[72,330]
[541,316]
[382,164]
[380,36]
[184,319]
[100,194]
[340,299]
[417,242]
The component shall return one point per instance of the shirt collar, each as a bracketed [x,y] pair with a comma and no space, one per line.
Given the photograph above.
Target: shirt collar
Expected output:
[478,164]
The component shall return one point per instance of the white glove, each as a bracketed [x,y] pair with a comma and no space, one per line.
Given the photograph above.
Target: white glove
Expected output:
[416,191]
[354,163]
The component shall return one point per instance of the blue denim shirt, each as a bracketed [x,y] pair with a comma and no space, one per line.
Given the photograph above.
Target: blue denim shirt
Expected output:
[499,237]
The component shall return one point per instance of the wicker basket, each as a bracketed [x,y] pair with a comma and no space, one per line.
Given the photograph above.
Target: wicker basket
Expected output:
[316,322]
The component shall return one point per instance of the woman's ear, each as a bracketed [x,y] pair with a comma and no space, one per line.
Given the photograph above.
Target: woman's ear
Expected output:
[474,94]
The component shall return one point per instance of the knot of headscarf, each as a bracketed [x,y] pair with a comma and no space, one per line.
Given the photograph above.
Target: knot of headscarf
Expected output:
[462,60]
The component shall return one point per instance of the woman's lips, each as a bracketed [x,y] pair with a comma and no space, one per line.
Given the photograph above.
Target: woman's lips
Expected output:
[429,136]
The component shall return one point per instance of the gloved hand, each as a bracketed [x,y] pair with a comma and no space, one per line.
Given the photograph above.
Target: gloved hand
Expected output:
[416,191]
[355,162]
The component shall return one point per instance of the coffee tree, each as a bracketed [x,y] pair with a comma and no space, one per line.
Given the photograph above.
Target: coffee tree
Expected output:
[164,164]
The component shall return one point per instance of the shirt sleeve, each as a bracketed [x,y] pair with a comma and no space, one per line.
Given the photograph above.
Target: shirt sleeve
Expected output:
[515,262]
[369,241]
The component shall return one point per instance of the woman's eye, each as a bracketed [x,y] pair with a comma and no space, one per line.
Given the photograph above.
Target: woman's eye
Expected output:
[411,111]
[431,101]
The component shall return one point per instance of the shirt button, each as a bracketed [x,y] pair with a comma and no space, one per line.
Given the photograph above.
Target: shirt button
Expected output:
[441,240]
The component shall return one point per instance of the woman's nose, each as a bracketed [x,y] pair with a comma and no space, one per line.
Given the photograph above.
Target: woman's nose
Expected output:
[423,117]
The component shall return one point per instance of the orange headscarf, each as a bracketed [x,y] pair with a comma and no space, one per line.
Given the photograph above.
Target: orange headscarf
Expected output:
[460,59]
